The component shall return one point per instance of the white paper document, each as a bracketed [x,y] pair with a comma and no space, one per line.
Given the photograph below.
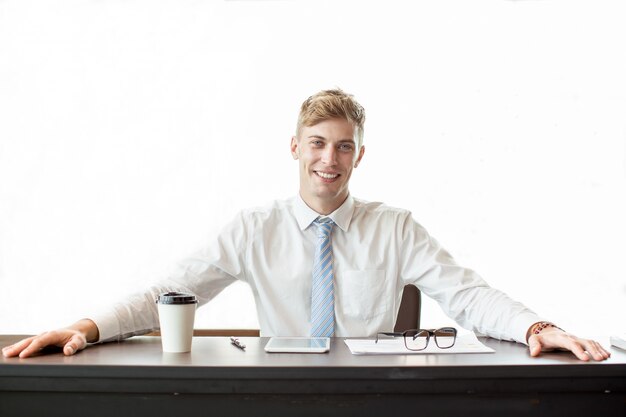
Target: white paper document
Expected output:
[465,343]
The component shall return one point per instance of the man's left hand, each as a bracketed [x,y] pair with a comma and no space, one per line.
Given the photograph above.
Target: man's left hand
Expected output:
[557,339]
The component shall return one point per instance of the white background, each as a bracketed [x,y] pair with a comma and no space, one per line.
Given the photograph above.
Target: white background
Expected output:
[130,131]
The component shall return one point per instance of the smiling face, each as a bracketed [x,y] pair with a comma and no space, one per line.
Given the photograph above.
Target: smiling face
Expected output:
[327,153]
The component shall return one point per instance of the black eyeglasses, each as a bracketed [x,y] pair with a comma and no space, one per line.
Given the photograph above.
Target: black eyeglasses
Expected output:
[417,339]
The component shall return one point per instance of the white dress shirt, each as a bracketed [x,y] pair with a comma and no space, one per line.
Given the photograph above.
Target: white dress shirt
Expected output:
[377,250]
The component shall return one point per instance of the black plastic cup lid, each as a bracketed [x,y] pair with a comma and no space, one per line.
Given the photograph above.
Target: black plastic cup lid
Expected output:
[176,298]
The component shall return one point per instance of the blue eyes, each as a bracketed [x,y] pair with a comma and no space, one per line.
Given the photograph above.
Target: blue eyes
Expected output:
[341,147]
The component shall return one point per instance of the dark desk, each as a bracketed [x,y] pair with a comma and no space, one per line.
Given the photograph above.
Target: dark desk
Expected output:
[135,377]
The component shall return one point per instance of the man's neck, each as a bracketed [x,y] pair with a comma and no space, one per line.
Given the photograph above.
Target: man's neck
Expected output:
[322,206]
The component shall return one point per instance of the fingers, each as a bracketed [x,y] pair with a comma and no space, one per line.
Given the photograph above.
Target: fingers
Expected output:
[69,349]
[15,349]
[578,350]
[76,343]
[596,350]
[39,342]
[534,345]
[71,340]
[586,348]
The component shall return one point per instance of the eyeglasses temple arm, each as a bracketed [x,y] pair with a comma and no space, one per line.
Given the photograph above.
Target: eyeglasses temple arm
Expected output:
[388,334]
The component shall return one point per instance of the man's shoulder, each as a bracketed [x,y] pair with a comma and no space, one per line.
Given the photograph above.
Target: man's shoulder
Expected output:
[269,209]
[377,207]
[372,214]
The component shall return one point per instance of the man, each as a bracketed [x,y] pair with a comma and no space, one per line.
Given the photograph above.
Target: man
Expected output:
[325,263]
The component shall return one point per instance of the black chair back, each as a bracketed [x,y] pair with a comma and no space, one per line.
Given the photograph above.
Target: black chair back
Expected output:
[410,309]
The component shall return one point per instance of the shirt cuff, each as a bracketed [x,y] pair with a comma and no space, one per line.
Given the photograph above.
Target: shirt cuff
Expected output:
[520,325]
[108,326]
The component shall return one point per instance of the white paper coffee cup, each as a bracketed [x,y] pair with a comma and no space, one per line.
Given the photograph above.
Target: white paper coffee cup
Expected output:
[177,312]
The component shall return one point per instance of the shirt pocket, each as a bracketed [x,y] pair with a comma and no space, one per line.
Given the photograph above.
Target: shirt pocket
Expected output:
[364,294]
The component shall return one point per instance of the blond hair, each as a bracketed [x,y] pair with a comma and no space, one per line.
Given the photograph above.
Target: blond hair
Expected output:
[332,104]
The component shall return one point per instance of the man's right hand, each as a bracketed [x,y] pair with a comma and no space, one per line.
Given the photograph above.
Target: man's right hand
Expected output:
[72,339]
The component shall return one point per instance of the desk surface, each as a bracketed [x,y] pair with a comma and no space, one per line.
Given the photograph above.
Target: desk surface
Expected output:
[215,368]
[218,352]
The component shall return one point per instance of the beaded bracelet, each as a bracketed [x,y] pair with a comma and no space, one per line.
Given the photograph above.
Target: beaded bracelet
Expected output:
[541,326]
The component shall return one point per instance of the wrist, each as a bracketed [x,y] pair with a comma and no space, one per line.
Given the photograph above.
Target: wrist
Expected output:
[540,327]
[88,329]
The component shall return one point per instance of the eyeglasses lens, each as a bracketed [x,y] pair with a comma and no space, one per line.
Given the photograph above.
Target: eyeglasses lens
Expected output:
[445,337]
[416,340]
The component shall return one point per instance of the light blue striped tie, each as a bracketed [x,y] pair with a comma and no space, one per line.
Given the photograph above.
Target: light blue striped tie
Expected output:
[322,293]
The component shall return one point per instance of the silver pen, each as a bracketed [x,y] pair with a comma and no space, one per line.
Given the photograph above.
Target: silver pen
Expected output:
[237,343]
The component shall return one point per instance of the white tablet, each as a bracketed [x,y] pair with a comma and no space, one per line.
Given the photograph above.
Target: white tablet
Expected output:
[298,344]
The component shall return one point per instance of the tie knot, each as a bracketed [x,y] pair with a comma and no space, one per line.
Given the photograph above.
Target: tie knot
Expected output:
[324,226]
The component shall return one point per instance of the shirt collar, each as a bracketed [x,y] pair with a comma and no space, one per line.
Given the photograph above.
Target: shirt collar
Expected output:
[305,215]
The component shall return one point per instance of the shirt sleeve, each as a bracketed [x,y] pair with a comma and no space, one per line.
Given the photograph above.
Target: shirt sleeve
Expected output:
[204,274]
[462,294]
